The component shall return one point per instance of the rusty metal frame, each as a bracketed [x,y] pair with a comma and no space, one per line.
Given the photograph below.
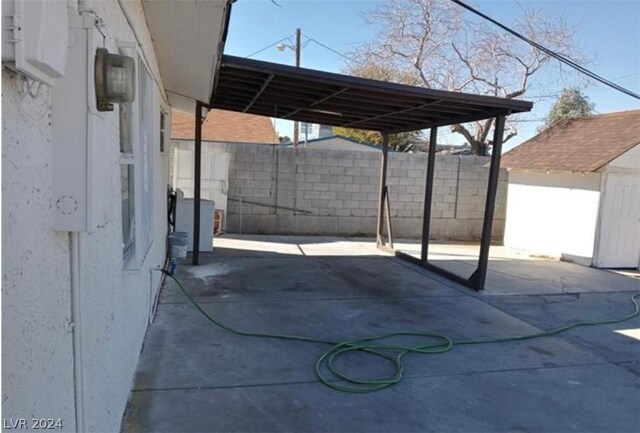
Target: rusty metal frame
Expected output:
[477,280]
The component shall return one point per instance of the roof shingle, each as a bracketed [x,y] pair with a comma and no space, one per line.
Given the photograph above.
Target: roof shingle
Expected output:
[584,144]
[222,125]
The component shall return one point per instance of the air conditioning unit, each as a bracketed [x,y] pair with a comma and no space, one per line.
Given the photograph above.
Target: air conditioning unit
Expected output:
[35,38]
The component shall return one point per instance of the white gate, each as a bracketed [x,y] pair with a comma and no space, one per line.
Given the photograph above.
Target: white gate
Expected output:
[215,176]
[619,236]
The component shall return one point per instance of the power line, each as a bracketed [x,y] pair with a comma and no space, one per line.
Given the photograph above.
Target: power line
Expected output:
[269,46]
[327,47]
[626,76]
[551,53]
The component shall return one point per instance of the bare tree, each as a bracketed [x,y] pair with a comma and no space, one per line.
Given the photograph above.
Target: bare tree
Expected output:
[402,142]
[432,43]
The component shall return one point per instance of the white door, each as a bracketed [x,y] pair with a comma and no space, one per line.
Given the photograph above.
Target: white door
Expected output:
[619,241]
[214,176]
[183,171]
[215,180]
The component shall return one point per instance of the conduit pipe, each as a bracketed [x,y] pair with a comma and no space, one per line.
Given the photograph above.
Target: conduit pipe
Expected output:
[76,328]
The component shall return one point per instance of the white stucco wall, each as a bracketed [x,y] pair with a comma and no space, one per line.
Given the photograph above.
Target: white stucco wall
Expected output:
[553,213]
[628,160]
[38,370]
[37,357]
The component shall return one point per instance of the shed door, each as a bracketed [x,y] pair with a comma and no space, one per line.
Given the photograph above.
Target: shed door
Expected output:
[619,242]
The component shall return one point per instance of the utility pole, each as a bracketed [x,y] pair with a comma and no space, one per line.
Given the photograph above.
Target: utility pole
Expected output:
[296,125]
[297,48]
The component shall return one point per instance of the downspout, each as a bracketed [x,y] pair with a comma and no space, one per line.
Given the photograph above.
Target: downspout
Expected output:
[76,327]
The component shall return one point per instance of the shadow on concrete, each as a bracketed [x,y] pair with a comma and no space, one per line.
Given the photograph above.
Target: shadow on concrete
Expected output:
[194,377]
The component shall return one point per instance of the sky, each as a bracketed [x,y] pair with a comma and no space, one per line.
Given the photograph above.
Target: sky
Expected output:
[608,35]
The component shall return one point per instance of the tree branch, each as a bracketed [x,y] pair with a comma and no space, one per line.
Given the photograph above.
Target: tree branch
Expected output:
[485,133]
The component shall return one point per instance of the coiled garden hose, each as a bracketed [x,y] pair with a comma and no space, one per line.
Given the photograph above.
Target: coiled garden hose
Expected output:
[435,343]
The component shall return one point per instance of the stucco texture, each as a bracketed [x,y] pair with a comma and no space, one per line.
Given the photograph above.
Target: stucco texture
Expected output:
[37,357]
[115,303]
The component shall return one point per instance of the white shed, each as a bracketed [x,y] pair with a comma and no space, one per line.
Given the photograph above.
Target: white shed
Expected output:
[574,192]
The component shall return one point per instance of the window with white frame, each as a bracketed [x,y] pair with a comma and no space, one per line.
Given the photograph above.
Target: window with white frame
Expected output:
[127,181]
[137,151]
[147,113]
[163,130]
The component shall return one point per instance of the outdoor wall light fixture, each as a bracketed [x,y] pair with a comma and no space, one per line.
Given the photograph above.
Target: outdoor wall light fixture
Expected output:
[114,79]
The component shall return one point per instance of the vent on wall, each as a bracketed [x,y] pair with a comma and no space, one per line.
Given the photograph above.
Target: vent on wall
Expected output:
[34,38]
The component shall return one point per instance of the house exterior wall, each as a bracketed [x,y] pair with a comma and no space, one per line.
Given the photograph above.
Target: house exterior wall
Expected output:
[38,356]
[335,192]
[553,213]
[628,160]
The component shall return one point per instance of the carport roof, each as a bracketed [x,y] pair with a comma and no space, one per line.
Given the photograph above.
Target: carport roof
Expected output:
[286,92]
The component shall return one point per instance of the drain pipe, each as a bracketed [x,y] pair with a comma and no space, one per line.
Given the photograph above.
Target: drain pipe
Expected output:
[76,327]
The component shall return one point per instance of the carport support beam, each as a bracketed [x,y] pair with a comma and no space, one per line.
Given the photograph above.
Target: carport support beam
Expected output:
[196,184]
[479,276]
[428,193]
[383,189]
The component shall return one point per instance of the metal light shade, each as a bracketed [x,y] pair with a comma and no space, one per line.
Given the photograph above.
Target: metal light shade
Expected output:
[114,79]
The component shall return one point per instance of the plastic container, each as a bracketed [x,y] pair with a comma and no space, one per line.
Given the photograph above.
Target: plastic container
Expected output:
[178,244]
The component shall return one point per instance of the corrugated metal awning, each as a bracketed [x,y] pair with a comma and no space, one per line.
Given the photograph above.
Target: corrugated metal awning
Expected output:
[307,95]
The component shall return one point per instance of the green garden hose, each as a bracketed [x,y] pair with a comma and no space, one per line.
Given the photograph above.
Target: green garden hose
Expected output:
[435,343]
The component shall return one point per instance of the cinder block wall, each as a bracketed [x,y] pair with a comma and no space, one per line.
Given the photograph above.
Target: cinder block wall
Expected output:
[276,190]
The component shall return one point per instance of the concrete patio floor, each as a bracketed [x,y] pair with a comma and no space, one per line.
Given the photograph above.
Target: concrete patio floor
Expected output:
[193,377]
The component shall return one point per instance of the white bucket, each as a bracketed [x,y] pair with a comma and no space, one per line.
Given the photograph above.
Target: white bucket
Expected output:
[178,245]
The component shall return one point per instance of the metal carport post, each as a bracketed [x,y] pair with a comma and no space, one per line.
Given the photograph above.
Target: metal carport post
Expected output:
[383,203]
[197,157]
[477,280]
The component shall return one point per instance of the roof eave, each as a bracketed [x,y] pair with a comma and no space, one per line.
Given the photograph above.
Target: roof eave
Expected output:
[188,33]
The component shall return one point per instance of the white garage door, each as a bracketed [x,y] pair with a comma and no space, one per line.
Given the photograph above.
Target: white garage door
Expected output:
[619,241]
